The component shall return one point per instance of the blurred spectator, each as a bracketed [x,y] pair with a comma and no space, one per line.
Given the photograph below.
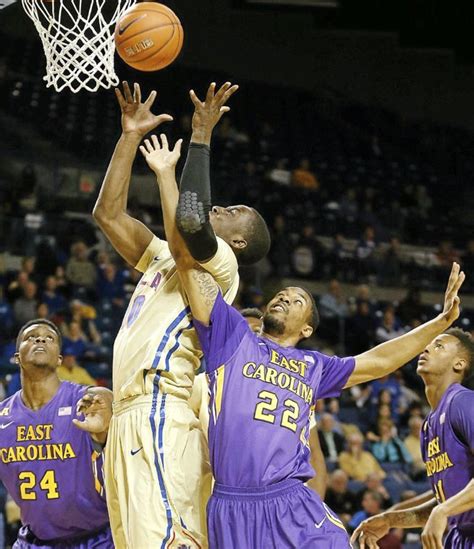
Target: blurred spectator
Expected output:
[303,177]
[6,317]
[340,499]
[75,341]
[410,307]
[365,253]
[280,174]
[110,285]
[54,300]
[389,383]
[360,332]
[25,307]
[42,311]
[340,258]
[308,254]
[446,254]
[391,264]
[17,286]
[390,327]
[374,483]
[371,505]
[390,449]
[84,315]
[71,371]
[332,309]
[357,462]
[80,271]
[332,443]
[280,250]
[412,443]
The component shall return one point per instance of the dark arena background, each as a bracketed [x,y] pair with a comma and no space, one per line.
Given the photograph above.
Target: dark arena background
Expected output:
[352,133]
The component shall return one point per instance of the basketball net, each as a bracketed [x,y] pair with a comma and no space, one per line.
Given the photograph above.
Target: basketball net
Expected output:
[78,41]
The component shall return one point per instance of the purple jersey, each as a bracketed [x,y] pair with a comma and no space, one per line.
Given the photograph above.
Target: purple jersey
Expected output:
[50,467]
[261,397]
[447,447]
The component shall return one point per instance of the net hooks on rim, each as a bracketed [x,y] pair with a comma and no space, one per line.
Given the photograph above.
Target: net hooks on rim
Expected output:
[78,41]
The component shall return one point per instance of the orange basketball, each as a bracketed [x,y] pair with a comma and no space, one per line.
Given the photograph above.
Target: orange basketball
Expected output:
[149,36]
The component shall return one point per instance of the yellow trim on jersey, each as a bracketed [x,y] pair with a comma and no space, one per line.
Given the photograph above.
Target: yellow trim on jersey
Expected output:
[219,389]
[336,522]
[98,486]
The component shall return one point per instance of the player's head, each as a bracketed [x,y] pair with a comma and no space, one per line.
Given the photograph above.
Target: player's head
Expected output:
[292,313]
[38,345]
[451,353]
[244,229]
[253,316]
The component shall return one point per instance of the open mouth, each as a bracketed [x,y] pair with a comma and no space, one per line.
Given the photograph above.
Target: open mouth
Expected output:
[279,308]
[39,350]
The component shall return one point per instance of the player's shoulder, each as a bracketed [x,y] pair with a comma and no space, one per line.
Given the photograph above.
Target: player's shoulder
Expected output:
[72,391]
[461,398]
[9,404]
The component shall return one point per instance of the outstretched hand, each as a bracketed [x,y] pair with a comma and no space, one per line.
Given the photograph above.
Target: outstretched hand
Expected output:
[370,531]
[159,156]
[137,117]
[207,113]
[451,299]
[433,532]
[97,410]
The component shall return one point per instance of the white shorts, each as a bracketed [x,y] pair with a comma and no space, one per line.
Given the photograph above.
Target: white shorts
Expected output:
[157,472]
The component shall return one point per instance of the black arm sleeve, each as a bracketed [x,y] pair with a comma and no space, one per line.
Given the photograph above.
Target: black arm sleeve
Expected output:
[194,205]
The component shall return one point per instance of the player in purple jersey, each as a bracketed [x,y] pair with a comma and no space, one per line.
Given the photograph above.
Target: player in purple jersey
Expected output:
[262,392]
[50,459]
[447,446]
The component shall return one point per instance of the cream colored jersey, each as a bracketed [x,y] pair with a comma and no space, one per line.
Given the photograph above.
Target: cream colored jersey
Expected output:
[157,343]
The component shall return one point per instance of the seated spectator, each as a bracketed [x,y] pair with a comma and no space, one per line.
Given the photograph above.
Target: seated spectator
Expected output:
[357,462]
[332,309]
[412,443]
[389,448]
[382,412]
[391,264]
[332,443]
[280,174]
[71,371]
[365,253]
[25,306]
[84,315]
[371,505]
[360,333]
[80,271]
[110,285]
[338,496]
[303,177]
[42,311]
[389,383]
[308,254]
[390,327]
[74,341]
[16,287]
[410,307]
[53,299]
[374,483]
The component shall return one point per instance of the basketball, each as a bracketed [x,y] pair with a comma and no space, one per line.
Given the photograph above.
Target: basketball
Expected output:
[149,36]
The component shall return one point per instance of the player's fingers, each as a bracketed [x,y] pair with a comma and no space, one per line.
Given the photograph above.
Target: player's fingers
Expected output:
[229,93]
[210,92]
[82,425]
[164,142]
[459,281]
[120,98]
[127,92]
[137,93]
[177,147]
[223,110]
[156,143]
[163,118]
[222,91]
[150,99]
[453,276]
[143,151]
[356,534]
[195,99]
[148,146]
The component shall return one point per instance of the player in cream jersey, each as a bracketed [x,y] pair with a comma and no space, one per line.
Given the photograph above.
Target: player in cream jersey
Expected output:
[156,333]
[156,462]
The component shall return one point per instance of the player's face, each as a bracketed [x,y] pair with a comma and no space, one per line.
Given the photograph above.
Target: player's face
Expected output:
[254,323]
[230,223]
[440,356]
[39,348]
[290,309]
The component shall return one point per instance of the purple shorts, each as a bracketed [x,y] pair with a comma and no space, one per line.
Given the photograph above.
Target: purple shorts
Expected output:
[280,516]
[96,540]
[460,538]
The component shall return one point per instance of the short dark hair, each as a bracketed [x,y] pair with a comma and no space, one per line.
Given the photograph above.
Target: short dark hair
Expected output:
[39,321]
[313,320]
[258,241]
[252,312]
[467,343]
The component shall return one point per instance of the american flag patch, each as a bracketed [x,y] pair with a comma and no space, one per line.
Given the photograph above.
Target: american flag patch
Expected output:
[65,411]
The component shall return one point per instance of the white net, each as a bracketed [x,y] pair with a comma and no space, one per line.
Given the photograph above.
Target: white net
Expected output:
[78,41]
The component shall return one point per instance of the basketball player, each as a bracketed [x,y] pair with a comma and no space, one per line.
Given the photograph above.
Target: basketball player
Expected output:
[262,390]
[447,445]
[156,447]
[51,468]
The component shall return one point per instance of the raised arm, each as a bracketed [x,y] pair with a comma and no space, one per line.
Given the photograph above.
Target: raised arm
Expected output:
[195,190]
[391,355]
[128,236]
